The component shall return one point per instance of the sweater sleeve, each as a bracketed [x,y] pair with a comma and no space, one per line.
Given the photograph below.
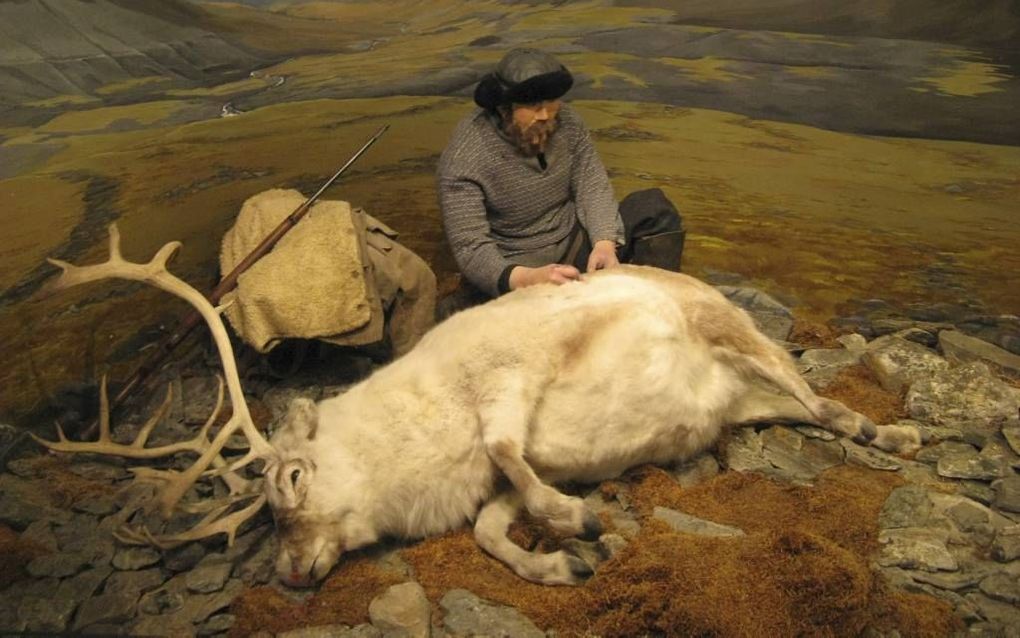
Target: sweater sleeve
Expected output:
[467,230]
[597,209]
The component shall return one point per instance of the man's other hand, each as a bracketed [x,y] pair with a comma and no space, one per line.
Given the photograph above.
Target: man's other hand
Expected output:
[603,255]
[522,276]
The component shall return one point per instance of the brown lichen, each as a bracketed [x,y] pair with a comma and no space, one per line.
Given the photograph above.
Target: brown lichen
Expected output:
[802,568]
[15,553]
[63,486]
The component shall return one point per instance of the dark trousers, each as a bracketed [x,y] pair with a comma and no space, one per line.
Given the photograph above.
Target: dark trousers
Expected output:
[653,236]
[653,233]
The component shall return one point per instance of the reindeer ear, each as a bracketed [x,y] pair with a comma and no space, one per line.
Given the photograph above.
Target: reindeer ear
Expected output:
[302,418]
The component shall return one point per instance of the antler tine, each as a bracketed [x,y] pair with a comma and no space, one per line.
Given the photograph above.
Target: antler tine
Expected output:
[155,272]
[104,411]
[210,525]
[143,434]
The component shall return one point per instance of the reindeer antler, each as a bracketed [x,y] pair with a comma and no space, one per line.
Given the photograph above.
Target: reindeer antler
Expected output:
[175,484]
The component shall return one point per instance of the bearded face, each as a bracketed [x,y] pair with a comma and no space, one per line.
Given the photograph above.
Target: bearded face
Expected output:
[529,126]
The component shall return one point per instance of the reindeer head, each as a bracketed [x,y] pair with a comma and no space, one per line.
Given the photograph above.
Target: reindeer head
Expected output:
[317,514]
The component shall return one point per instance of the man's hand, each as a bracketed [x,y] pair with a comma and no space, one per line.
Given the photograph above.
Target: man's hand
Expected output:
[522,276]
[603,255]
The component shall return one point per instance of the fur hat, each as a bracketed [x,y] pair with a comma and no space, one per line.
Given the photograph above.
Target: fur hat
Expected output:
[523,76]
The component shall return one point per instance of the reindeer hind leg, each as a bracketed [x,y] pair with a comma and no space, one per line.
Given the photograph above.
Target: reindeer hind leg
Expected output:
[758,355]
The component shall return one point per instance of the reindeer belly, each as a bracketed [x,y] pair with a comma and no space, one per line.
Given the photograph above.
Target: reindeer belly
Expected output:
[666,404]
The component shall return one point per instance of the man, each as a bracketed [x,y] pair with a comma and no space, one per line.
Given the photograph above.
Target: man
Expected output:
[524,197]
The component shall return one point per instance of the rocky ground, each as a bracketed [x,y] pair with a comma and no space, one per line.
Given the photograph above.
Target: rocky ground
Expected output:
[949,530]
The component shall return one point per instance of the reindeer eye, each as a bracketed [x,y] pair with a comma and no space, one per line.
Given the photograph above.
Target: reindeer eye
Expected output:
[294,476]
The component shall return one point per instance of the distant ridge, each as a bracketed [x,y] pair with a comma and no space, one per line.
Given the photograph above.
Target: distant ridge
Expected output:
[70,49]
[982,23]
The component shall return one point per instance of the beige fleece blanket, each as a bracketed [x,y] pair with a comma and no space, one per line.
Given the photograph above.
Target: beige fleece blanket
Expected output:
[311,285]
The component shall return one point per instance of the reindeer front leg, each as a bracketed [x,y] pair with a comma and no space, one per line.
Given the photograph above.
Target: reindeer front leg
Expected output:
[557,568]
[505,410]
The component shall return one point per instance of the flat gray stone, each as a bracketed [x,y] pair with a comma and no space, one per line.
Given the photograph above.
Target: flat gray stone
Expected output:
[813,432]
[744,452]
[1002,587]
[933,453]
[693,525]
[961,395]
[996,611]
[97,506]
[217,624]
[135,558]
[1011,432]
[916,548]
[1007,493]
[970,466]
[198,607]
[165,600]
[208,576]
[953,581]
[870,457]
[403,609]
[84,585]
[45,614]
[899,363]
[465,614]
[820,367]
[906,506]
[1006,546]
[695,471]
[771,317]
[796,457]
[58,565]
[137,581]
[183,558]
[958,347]
[41,533]
[968,515]
[107,608]
[170,626]
[978,491]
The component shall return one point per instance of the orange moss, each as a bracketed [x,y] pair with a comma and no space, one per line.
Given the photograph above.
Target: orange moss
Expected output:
[812,334]
[15,553]
[64,486]
[802,569]
[342,599]
[858,389]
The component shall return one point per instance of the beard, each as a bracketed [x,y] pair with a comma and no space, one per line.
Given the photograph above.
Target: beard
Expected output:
[532,140]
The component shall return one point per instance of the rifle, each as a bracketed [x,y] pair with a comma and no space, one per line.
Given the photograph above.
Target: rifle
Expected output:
[228,283]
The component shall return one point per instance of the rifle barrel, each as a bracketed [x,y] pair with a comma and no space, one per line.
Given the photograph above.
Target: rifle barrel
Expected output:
[228,283]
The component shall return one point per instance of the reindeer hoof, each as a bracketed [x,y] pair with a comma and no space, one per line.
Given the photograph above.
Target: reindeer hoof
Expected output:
[592,527]
[580,570]
[867,433]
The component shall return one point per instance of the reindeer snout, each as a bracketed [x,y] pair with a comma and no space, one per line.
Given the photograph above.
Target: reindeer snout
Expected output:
[297,580]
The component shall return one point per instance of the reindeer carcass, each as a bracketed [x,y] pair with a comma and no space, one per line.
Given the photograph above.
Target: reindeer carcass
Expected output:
[551,383]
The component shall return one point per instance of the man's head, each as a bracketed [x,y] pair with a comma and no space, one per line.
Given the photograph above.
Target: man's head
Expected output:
[525,90]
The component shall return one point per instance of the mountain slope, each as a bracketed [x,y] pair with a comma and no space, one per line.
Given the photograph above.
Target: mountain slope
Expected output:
[988,23]
[74,48]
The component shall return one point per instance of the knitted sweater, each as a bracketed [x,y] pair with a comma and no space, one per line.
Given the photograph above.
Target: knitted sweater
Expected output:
[500,206]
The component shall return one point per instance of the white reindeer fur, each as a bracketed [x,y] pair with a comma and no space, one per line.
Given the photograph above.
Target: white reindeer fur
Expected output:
[585,380]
